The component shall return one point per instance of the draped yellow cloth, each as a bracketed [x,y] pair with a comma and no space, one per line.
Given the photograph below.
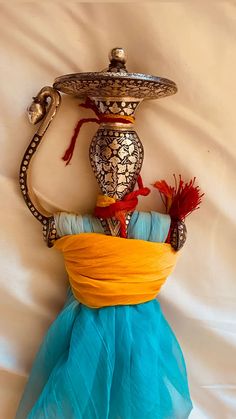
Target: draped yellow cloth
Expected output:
[106,271]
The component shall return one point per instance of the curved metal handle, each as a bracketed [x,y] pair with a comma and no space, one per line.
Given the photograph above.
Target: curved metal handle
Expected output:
[38,110]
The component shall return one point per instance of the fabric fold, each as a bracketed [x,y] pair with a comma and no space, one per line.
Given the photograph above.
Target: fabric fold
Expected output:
[105,270]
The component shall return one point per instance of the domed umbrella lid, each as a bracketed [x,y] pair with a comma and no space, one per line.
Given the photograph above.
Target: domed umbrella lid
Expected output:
[115,82]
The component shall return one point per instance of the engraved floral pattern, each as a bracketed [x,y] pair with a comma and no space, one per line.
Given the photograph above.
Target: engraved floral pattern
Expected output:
[108,85]
[122,107]
[116,160]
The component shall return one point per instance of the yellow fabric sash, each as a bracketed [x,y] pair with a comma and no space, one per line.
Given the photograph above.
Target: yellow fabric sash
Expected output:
[107,271]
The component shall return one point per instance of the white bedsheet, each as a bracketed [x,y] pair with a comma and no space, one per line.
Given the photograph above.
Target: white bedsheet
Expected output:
[192,133]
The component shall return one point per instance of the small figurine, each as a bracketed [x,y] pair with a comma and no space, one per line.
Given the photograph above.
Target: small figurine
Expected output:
[110,353]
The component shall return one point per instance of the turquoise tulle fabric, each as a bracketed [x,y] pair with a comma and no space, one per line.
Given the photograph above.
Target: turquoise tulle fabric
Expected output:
[118,362]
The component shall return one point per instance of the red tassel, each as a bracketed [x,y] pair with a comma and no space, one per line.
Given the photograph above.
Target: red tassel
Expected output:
[180,200]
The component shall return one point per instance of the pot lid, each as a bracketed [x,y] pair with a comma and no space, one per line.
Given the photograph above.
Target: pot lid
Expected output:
[115,82]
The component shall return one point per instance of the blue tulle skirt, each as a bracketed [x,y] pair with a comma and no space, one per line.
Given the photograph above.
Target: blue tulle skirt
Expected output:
[121,362]
[117,362]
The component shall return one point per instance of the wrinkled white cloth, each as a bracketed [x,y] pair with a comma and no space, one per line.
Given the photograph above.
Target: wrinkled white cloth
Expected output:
[192,133]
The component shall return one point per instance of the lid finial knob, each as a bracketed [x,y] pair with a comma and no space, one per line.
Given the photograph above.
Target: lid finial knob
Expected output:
[117,59]
[117,54]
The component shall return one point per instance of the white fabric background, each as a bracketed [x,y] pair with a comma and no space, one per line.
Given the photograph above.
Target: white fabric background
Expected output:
[192,133]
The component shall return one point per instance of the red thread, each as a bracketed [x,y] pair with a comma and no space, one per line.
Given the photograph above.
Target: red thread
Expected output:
[100,118]
[120,208]
[69,152]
